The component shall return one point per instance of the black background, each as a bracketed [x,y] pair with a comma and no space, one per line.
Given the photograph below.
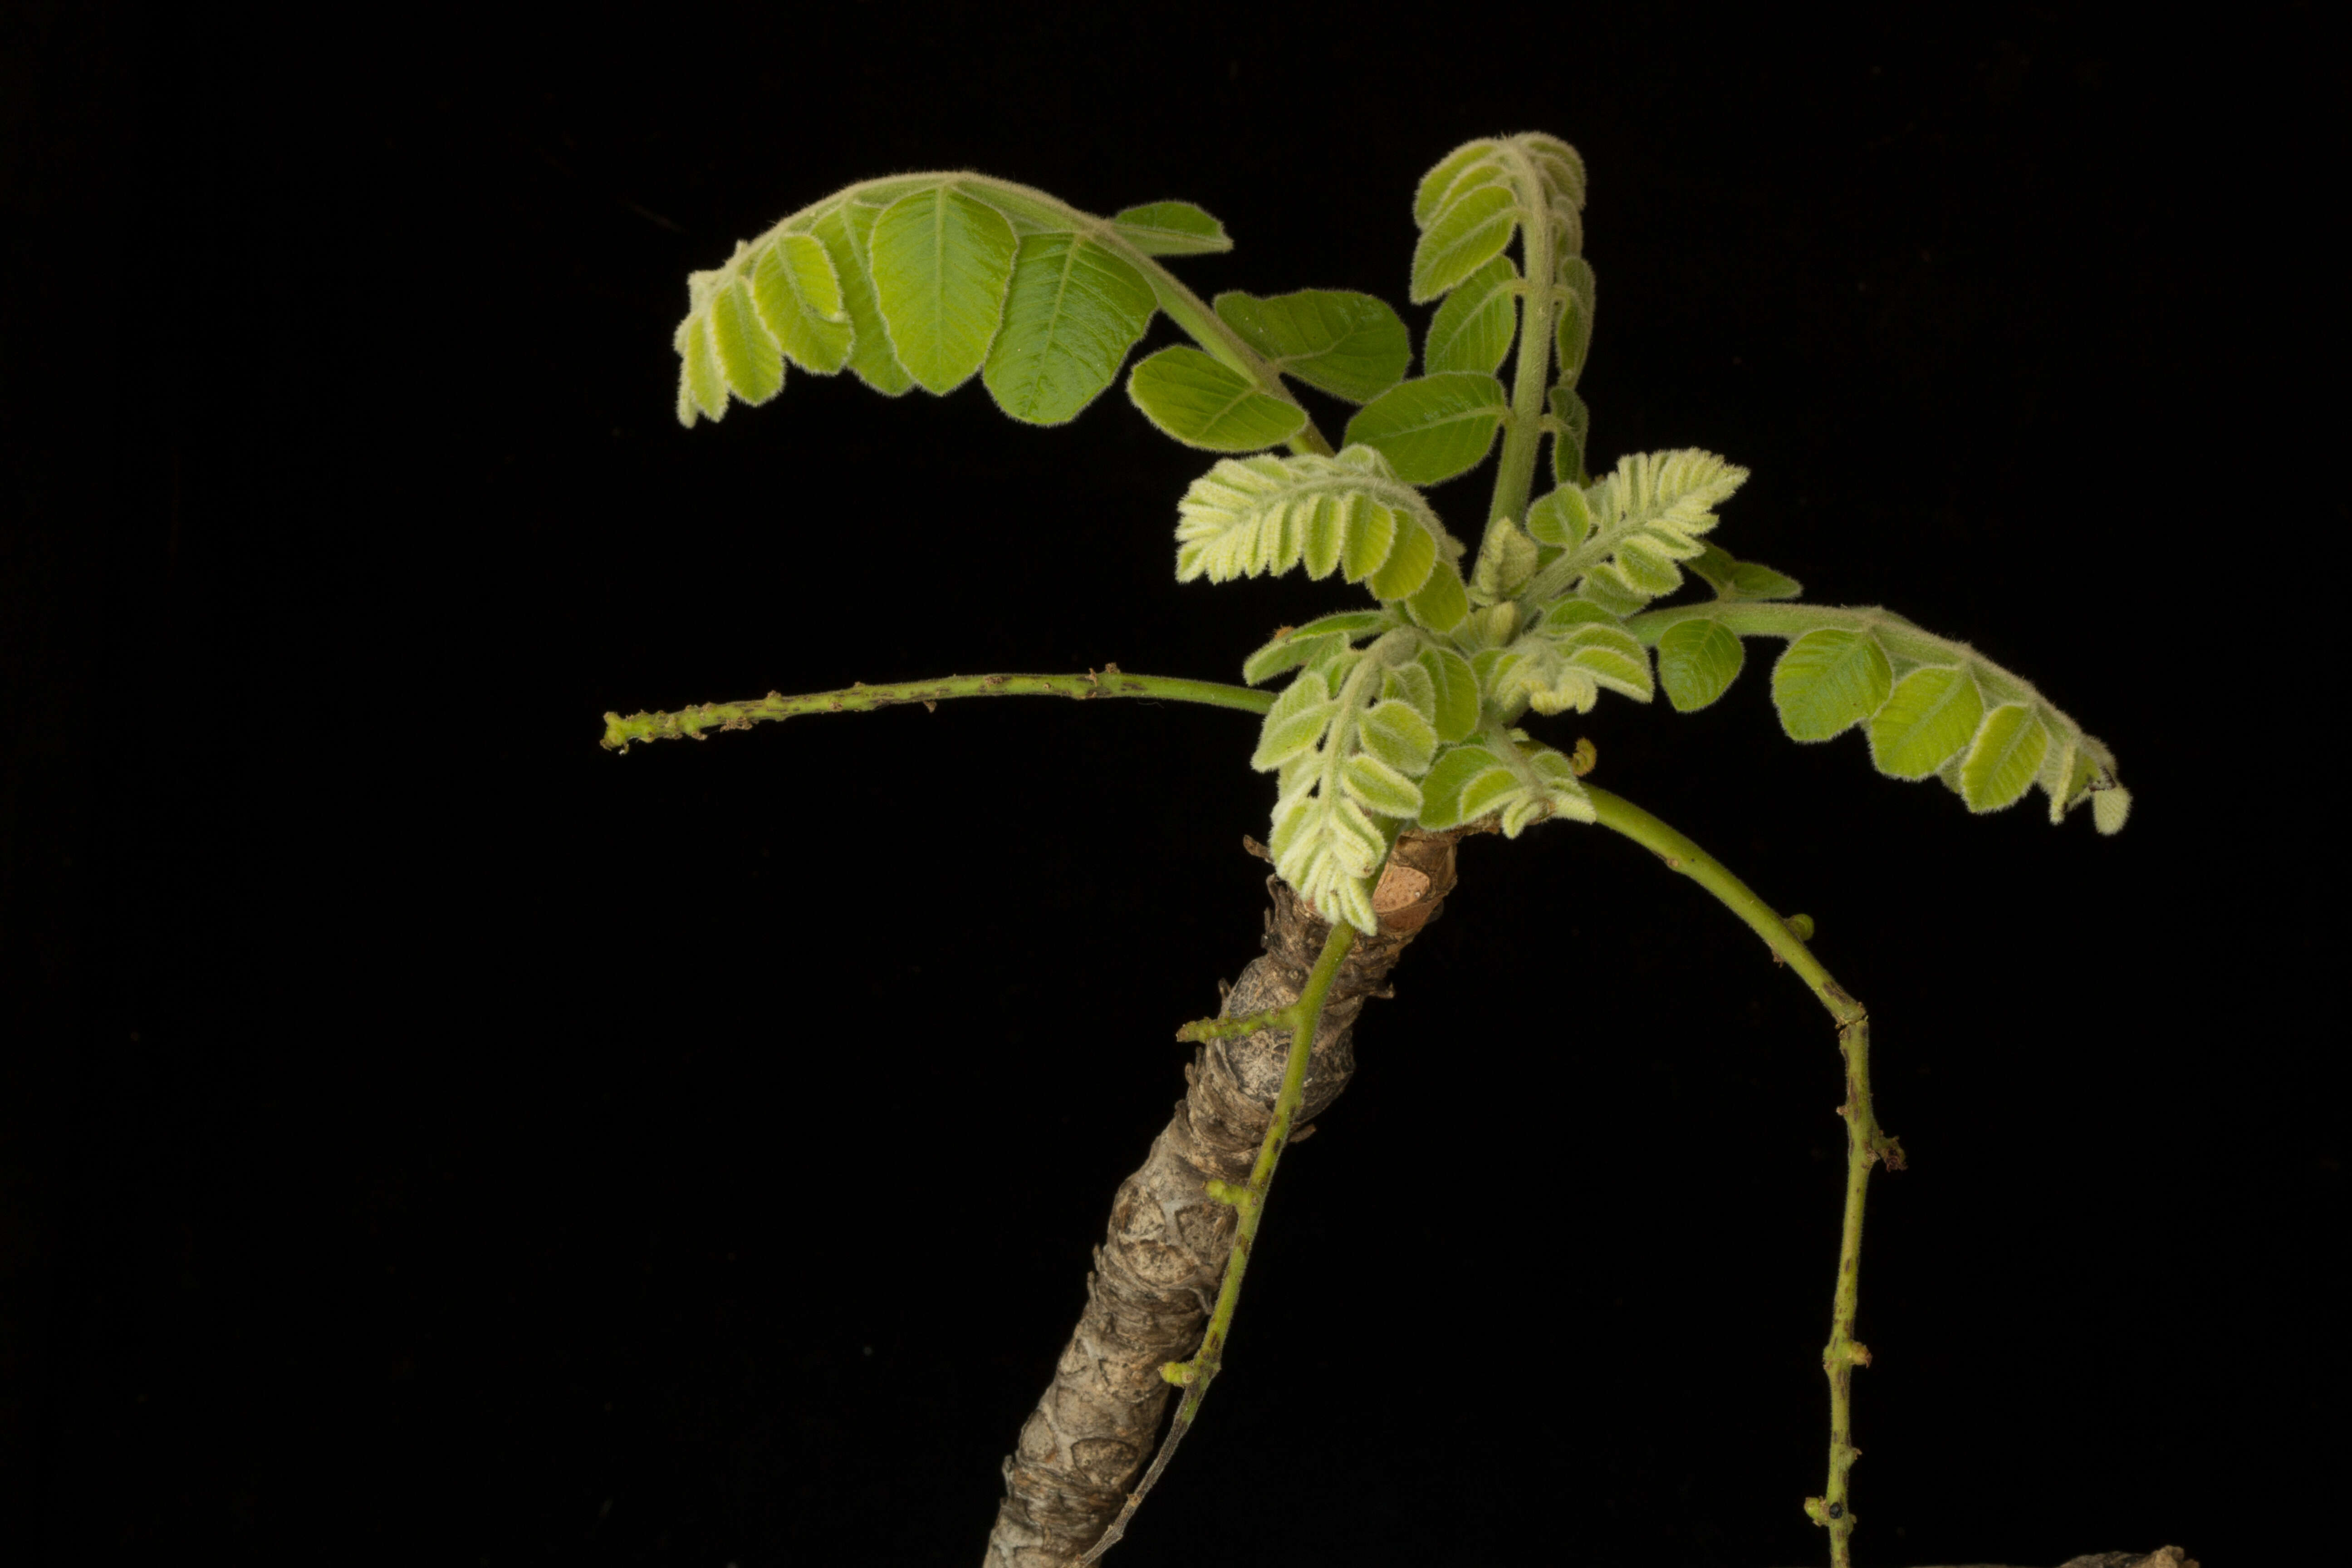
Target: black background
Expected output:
[431,1138]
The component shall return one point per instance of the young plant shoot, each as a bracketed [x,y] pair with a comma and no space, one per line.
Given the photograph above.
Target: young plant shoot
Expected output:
[1391,725]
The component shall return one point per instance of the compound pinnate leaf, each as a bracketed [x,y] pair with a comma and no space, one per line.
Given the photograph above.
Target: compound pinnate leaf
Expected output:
[1697,661]
[1435,428]
[1929,718]
[753,363]
[1828,681]
[1650,511]
[799,296]
[843,232]
[1470,229]
[1073,311]
[942,262]
[1171,229]
[1348,512]
[2006,754]
[1474,328]
[1202,403]
[1350,345]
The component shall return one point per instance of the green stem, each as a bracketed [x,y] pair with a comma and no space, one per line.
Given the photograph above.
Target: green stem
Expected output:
[1866,1144]
[1305,1016]
[1111,681]
[1514,472]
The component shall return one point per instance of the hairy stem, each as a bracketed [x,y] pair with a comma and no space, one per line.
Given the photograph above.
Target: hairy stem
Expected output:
[1176,1222]
[695,722]
[1866,1144]
[1194,1375]
[1523,432]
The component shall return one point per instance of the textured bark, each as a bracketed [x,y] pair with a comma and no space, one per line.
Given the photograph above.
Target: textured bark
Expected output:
[1156,1276]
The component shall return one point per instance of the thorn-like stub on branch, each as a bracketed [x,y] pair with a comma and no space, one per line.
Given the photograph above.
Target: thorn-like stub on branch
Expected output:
[1180,1373]
[1249,845]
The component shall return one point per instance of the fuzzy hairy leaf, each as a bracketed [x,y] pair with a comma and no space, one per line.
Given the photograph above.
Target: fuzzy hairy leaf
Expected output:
[1568,443]
[1201,403]
[1928,719]
[1647,515]
[943,259]
[1828,682]
[1295,724]
[1741,579]
[1350,345]
[1474,328]
[1469,230]
[1441,602]
[1171,229]
[2003,758]
[1455,687]
[799,297]
[1473,782]
[1435,428]
[843,232]
[1297,645]
[1396,734]
[751,359]
[1074,309]
[1348,512]
[1572,337]
[1697,661]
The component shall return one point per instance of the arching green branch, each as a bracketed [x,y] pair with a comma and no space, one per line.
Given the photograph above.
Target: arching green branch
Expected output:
[696,722]
[1867,1143]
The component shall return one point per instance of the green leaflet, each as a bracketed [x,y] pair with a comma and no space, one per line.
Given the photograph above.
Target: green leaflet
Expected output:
[1440,604]
[1465,784]
[1562,519]
[1929,718]
[1071,314]
[1350,345]
[1568,442]
[1348,512]
[1455,687]
[1201,403]
[1697,661]
[1171,229]
[799,297]
[1573,336]
[1828,680]
[843,232]
[2001,764]
[1435,428]
[1741,579]
[1379,788]
[1647,514]
[1474,328]
[1295,645]
[702,385]
[1294,726]
[941,261]
[1468,165]
[753,362]
[1471,228]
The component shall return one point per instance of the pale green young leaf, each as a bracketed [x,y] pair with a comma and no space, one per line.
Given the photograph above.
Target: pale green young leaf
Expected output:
[1472,160]
[1171,229]
[1248,516]
[1568,443]
[1286,651]
[1411,685]
[1612,656]
[1396,732]
[1928,719]
[943,259]
[1566,615]
[1561,166]
[1506,562]
[1440,602]
[1647,515]
[1456,689]
[1435,428]
[1828,681]
[753,363]
[1074,309]
[1204,403]
[1354,622]
[2006,754]
[701,383]
[1350,345]
[1295,724]
[1407,567]
[1378,787]
[799,297]
[1573,335]
[843,232]
[1561,518]
[1474,328]
[1733,579]
[1462,771]
[1468,231]
[2110,808]
[1697,661]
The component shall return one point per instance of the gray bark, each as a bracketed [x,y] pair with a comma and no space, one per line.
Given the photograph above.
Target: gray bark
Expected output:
[1156,1275]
